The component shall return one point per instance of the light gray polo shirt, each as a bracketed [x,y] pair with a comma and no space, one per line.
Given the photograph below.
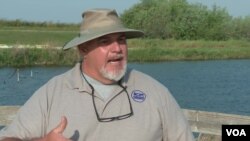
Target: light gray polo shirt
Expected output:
[103,90]
[157,116]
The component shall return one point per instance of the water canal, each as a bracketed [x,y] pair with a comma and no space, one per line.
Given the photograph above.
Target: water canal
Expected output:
[218,86]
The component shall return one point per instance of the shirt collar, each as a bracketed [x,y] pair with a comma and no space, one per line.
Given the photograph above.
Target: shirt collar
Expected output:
[74,79]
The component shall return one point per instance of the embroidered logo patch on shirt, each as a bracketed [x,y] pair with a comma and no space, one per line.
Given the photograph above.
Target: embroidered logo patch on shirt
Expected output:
[138,96]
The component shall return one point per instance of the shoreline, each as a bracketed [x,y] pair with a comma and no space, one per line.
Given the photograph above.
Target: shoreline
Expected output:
[140,50]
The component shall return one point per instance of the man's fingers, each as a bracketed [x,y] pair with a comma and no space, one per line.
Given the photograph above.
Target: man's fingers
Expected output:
[61,127]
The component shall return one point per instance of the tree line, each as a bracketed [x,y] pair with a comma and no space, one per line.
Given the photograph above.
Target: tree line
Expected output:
[177,19]
[30,24]
[169,19]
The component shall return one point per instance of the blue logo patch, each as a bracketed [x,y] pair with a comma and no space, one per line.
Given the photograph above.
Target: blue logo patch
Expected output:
[138,96]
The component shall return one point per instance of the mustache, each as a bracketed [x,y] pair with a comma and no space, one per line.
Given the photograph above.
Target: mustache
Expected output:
[116,57]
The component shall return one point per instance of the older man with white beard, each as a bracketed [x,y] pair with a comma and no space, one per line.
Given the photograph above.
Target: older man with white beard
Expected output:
[100,99]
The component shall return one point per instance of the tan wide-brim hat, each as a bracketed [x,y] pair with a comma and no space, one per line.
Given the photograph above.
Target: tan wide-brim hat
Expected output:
[100,22]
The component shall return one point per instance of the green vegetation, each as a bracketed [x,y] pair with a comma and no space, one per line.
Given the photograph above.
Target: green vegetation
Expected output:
[34,33]
[177,19]
[174,30]
[35,37]
[148,50]
[140,50]
[19,25]
[20,57]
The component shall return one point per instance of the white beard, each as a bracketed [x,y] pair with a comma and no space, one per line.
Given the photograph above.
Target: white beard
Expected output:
[114,75]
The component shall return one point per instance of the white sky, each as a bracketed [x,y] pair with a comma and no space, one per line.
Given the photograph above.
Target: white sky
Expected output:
[70,10]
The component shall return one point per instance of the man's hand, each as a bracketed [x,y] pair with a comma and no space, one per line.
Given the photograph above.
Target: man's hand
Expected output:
[56,133]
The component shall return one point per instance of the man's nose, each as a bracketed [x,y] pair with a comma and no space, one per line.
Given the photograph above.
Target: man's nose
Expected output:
[116,47]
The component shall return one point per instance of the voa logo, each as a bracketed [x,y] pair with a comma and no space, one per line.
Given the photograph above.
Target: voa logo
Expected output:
[236,132]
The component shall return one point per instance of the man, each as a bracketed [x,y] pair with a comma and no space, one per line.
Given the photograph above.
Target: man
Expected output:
[100,99]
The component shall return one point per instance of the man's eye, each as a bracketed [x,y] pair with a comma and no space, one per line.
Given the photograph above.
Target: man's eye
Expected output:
[103,41]
[122,39]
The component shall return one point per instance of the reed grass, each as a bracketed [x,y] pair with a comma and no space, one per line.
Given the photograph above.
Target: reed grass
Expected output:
[21,57]
[198,53]
[140,50]
[148,50]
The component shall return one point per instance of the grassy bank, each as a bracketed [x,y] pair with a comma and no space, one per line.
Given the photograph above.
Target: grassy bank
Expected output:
[21,57]
[50,35]
[140,50]
[35,36]
[168,50]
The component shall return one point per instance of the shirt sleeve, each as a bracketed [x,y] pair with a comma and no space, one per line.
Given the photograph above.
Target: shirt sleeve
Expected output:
[30,121]
[175,125]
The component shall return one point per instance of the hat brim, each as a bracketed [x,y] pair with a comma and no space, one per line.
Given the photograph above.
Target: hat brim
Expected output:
[82,38]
